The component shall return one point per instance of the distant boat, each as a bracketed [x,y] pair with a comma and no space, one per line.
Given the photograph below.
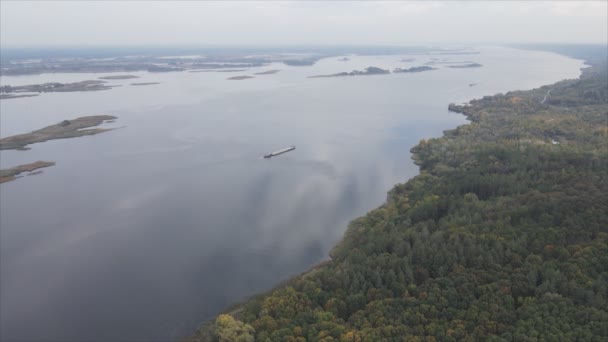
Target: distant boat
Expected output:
[279,152]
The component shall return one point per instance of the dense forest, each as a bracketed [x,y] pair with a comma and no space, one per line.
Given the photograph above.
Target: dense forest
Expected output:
[502,237]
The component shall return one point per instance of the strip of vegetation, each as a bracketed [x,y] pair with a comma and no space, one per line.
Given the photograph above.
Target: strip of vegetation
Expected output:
[239,78]
[118,77]
[414,69]
[502,236]
[90,85]
[463,66]
[144,83]
[15,96]
[63,130]
[300,62]
[267,72]
[368,71]
[8,175]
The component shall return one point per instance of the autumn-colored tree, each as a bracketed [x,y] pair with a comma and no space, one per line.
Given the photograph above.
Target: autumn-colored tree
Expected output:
[229,329]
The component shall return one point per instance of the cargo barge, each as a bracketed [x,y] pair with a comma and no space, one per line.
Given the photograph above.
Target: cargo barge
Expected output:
[279,152]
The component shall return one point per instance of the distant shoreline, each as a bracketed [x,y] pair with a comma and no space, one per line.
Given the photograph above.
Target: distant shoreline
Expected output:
[12,173]
[239,78]
[63,130]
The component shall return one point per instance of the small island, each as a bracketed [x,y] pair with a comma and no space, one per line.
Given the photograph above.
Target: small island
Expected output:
[462,66]
[267,72]
[10,92]
[118,77]
[227,70]
[216,70]
[414,69]
[8,175]
[368,71]
[63,130]
[238,78]
[15,96]
[160,68]
[300,62]
[345,59]
[144,83]
[408,60]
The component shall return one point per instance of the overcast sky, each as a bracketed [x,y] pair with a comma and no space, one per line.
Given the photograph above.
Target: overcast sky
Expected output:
[55,23]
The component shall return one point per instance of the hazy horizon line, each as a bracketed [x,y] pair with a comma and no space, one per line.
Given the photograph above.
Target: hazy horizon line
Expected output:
[320,45]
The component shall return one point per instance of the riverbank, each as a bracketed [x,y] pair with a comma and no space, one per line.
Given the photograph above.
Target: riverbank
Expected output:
[495,205]
[12,92]
[8,175]
[63,130]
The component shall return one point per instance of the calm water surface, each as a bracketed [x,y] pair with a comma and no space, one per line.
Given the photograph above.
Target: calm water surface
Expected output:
[145,231]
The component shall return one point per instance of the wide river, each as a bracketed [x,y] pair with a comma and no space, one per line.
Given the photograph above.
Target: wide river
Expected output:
[143,232]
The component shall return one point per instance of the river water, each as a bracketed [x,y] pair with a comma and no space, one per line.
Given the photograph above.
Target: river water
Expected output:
[143,232]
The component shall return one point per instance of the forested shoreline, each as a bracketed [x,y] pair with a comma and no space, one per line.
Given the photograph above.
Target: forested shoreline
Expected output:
[502,236]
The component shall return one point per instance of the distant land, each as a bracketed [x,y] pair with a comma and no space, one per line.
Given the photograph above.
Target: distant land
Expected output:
[118,77]
[15,96]
[470,65]
[90,85]
[63,130]
[31,61]
[222,70]
[454,53]
[300,62]
[144,83]
[267,72]
[438,61]
[8,175]
[118,63]
[414,69]
[162,68]
[368,71]
[239,78]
